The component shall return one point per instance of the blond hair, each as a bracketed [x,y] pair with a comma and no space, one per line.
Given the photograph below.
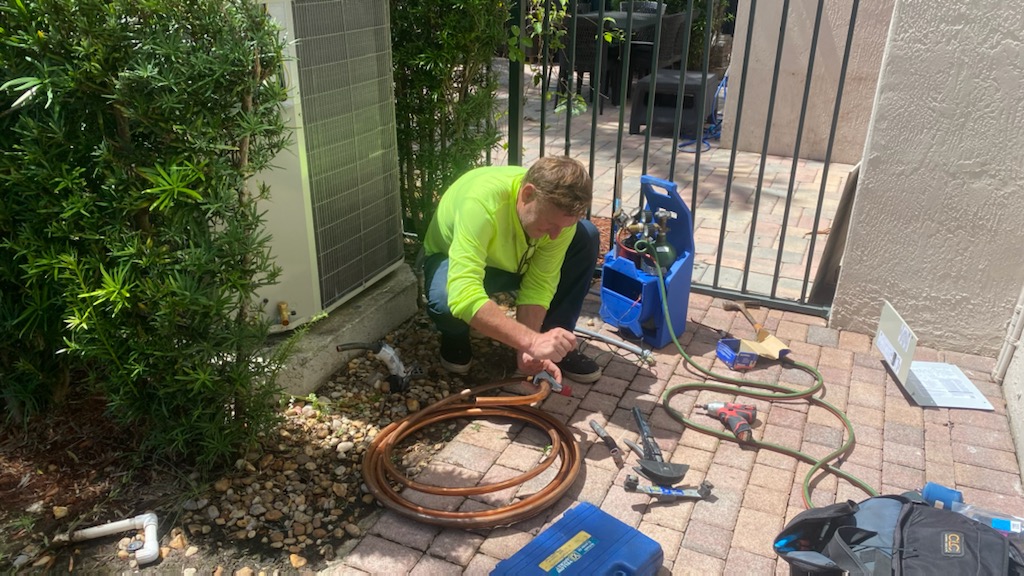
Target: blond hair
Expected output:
[563,182]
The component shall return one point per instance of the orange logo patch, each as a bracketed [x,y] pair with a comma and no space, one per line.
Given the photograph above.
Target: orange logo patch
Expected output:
[952,544]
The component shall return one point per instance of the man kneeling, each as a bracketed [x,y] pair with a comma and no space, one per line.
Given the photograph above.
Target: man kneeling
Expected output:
[505,229]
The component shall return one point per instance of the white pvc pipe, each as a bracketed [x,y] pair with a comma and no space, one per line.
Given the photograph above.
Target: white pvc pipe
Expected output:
[1011,342]
[150,550]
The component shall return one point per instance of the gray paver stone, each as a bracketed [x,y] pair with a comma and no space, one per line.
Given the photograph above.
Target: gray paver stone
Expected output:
[468,456]
[503,543]
[597,402]
[456,546]
[821,336]
[379,556]
[480,565]
[755,531]
[396,528]
[744,562]
[430,566]
[668,538]
[706,539]
[692,563]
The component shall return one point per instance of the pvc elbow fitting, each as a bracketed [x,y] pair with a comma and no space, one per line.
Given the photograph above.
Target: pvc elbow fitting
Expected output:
[147,522]
[150,550]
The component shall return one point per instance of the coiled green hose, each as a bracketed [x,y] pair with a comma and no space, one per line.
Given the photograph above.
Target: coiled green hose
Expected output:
[741,386]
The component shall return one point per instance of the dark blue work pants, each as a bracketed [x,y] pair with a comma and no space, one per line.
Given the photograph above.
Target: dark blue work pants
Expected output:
[577,275]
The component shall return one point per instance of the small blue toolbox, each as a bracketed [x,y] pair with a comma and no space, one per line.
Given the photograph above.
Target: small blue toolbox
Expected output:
[586,541]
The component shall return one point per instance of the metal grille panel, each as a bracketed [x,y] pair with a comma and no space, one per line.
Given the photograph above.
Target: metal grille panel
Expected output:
[344,62]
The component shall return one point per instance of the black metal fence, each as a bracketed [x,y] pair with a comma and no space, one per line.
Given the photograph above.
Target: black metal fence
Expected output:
[607,45]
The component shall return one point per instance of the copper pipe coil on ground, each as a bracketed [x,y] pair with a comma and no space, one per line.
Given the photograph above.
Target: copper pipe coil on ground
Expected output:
[378,469]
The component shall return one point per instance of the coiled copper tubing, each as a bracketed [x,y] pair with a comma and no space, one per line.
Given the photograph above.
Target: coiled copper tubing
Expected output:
[379,472]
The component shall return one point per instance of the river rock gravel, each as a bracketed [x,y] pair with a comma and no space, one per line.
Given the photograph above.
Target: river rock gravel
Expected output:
[301,494]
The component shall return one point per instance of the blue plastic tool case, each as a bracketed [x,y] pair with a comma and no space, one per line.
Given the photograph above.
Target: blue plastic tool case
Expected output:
[630,297]
[586,541]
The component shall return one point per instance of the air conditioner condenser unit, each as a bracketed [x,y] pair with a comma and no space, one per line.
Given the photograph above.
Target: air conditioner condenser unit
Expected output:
[334,211]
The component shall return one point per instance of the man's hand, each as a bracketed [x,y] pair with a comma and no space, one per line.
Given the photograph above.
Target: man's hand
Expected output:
[551,345]
[522,336]
[530,366]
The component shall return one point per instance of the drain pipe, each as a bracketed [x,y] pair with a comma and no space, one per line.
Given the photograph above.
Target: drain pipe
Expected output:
[150,550]
[1012,341]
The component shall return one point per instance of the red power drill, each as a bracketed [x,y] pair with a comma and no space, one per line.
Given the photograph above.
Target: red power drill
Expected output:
[735,417]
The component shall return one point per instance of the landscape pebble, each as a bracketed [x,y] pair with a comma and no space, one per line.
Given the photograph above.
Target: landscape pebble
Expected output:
[301,492]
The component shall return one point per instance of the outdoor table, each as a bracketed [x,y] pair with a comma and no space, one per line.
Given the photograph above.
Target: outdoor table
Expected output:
[641,21]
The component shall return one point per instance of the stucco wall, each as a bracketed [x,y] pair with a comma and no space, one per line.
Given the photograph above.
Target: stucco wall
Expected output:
[937,220]
[866,55]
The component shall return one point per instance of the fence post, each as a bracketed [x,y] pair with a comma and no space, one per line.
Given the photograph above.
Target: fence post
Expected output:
[515,91]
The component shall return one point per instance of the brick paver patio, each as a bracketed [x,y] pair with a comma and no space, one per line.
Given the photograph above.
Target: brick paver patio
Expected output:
[899,447]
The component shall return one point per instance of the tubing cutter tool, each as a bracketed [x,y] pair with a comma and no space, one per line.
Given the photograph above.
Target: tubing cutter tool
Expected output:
[556,386]
[632,484]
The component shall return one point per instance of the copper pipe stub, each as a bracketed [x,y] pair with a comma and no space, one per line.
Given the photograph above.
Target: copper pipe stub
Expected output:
[282,310]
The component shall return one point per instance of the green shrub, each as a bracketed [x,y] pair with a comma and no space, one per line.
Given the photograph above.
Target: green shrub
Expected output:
[444,94]
[132,243]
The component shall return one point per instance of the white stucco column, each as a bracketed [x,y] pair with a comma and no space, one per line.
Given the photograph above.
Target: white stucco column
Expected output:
[861,76]
[938,220]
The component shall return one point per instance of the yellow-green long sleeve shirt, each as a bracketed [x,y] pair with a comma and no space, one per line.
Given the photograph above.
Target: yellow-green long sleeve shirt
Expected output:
[476,225]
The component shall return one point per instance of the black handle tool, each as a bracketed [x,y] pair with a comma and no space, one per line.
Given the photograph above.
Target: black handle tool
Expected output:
[653,465]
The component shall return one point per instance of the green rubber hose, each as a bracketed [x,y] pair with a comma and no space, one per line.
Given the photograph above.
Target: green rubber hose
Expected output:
[767,391]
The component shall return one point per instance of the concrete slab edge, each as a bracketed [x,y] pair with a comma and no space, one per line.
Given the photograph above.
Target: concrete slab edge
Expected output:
[380,308]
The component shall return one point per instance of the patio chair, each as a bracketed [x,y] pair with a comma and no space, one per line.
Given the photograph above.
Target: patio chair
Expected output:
[664,100]
[586,50]
[673,27]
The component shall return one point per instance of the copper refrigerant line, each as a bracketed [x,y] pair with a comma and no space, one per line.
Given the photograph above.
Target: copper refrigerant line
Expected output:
[380,473]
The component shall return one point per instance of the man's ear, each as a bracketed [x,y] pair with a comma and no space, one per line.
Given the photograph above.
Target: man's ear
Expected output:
[528,193]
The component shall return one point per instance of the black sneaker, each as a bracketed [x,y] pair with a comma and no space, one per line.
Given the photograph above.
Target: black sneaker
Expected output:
[456,354]
[579,367]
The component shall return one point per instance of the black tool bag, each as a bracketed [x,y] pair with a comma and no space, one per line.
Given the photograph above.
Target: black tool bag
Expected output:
[894,535]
